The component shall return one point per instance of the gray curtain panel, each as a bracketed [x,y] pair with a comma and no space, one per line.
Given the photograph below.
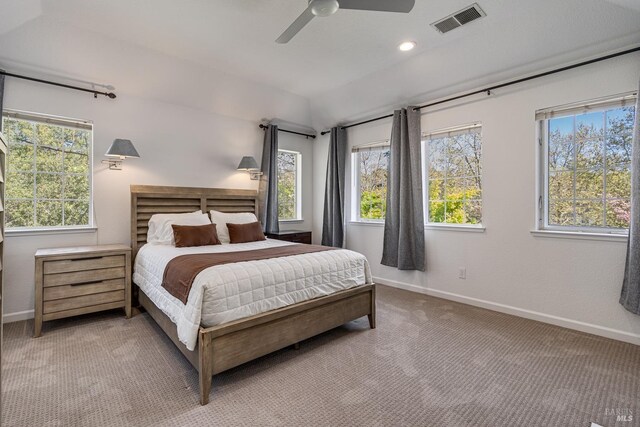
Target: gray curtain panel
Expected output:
[333,219]
[1,98]
[630,296]
[268,188]
[404,221]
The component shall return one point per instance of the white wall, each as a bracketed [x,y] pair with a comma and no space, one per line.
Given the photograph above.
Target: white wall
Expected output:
[574,283]
[49,48]
[178,146]
[191,124]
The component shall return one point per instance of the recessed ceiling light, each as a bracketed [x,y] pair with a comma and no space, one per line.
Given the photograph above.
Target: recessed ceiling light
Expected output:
[406,46]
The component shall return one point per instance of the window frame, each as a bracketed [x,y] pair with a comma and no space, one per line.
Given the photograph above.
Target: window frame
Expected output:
[479,227]
[356,195]
[58,121]
[298,185]
[542,193]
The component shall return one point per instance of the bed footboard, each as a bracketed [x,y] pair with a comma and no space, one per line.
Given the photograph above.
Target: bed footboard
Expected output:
[226,346]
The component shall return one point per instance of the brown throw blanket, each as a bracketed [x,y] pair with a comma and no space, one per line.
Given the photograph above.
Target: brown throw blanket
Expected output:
[182,270]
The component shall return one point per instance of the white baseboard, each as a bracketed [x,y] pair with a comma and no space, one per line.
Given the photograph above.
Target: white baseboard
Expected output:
[18,316]
[577,325]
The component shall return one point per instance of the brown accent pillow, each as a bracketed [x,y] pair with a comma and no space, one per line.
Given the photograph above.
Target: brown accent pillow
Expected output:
[195,235]
[243,233]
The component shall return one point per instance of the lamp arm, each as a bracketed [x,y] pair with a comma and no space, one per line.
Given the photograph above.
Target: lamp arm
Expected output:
[114,164]
[255,175]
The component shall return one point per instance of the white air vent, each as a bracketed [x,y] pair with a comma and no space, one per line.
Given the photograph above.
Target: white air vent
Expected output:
[459,18]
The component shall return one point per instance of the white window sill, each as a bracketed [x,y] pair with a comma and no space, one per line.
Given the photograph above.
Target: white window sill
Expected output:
[290,221]
[368,223]
[43,231]
[580,235]
[442,227]
[455,227]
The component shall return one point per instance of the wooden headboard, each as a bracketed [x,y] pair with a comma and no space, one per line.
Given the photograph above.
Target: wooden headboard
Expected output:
[147,200]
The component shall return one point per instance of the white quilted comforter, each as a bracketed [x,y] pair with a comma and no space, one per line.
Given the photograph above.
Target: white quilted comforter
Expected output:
[229,292]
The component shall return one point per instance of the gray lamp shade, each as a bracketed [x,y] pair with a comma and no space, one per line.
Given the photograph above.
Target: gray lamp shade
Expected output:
[122,148]
[248,163]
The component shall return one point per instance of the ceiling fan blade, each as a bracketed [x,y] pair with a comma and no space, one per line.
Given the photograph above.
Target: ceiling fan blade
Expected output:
[297,25]
[402,6]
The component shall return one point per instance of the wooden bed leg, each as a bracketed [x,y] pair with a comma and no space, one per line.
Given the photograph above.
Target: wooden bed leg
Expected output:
[205,368]
[372,315]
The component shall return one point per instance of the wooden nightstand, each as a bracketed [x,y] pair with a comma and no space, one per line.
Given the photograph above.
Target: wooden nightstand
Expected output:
[296,236]
[82,279]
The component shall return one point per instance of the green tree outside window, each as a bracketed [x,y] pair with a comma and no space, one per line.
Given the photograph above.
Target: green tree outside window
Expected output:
[588,169]
[48,174]
[454,172]
[372,165]
[288,185]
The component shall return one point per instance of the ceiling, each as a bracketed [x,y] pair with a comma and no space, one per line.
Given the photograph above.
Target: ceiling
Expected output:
[237,36]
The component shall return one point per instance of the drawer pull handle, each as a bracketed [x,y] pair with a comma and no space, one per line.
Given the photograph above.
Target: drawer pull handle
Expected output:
[87,283]
[85,259]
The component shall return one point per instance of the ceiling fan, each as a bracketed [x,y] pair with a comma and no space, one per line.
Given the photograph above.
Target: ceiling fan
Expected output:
[323,8]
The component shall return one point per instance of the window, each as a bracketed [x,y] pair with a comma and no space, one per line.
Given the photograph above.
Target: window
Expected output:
[586,153]
[370,181]
[289,183]
[48,172]
[454,173]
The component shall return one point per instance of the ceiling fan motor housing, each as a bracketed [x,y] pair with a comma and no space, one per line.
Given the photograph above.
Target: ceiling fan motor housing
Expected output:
[324,8]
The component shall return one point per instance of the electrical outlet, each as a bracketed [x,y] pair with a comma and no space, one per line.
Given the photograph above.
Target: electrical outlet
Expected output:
[462,273]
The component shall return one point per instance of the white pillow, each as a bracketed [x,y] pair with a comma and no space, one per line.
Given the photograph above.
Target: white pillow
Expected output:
[220,219]
[160,231]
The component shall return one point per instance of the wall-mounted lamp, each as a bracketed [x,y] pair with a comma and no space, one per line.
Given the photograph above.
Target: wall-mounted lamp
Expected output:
[121,148]
[248,164]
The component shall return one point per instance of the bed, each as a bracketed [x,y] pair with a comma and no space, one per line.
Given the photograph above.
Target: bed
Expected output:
[237,333]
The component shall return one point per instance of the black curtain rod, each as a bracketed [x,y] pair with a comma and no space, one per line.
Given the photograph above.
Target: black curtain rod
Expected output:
[48,82]
[499,86]
[290,131]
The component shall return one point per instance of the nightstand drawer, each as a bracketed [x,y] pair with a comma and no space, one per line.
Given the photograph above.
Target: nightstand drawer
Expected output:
[80,289]
[83,301]
[83,276]
[82,264]
[300,239]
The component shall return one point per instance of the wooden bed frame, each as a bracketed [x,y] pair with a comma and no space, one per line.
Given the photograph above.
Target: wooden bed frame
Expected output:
[225,346]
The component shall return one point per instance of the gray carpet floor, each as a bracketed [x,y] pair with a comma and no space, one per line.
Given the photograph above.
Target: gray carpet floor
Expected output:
[430,362]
